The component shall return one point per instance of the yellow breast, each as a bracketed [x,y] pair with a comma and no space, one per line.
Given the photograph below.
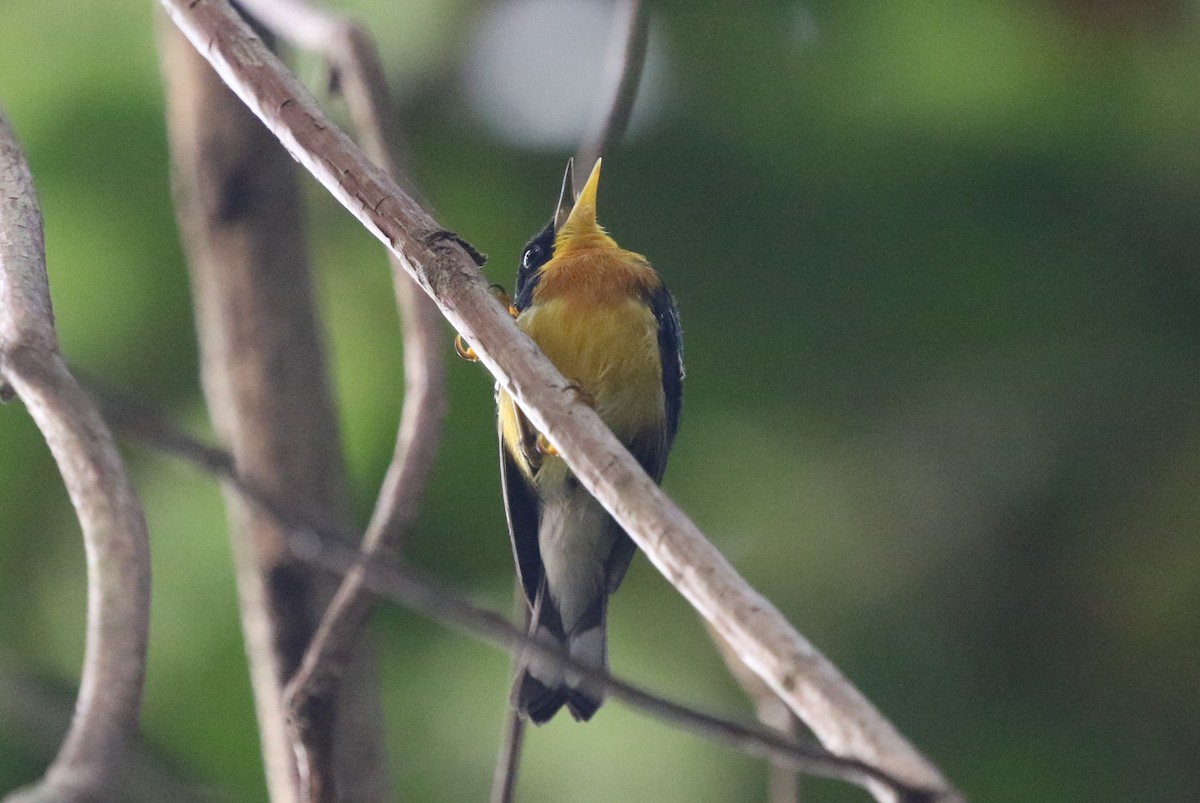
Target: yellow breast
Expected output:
[610,351]
[593,324]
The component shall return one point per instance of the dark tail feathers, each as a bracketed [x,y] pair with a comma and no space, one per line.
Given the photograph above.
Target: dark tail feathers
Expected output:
[542,688]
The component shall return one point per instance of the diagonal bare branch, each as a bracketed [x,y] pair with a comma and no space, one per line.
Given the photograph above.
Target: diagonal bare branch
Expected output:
[93,758]
[844,720]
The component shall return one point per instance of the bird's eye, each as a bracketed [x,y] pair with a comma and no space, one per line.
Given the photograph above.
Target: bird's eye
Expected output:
[532,254]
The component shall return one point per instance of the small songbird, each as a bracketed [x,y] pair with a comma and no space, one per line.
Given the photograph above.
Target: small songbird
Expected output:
[603,317]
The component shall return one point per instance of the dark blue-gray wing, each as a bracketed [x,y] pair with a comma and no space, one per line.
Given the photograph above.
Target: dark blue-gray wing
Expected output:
[670,347]
[521,510]
[651,448]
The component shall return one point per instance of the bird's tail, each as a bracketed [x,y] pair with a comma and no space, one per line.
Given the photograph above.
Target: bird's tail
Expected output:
[542,687]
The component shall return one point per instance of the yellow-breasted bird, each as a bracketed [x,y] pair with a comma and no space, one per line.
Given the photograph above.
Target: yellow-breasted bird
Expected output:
[605,319]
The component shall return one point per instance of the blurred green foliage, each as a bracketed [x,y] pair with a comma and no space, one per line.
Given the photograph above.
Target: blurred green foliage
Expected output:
[937,265]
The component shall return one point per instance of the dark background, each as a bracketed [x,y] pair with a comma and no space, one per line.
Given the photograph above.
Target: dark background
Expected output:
[937,267]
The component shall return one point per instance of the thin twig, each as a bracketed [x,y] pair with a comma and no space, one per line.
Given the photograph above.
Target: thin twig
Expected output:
[325,545]
[621,78]
[512,740]
[93,757]
[355,60]
[508,761]
[441,261]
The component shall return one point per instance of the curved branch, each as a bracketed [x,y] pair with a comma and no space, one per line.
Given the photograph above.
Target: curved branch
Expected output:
[92,760]
[833,708]
[622,77]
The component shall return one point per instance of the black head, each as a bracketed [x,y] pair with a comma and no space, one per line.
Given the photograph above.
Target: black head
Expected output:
[540,249]
[536,253]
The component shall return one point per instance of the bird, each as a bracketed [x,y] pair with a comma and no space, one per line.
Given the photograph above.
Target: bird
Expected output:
[605,319]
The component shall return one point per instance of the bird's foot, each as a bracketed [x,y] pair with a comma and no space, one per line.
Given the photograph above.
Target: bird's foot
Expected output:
[463,350]
[582,395]
[545,447]
[504,298]
[460,346]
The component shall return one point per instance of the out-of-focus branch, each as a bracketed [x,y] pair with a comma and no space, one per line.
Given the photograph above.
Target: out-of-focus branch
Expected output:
[508,760]
[355,66]
[622,75]
[833,708]
[264,380]
[353,57]
[783,784]
[325,546]
[512,740]
[93,758]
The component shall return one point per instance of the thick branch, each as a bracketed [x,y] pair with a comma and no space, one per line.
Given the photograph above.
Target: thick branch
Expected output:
[93,758]
[837,712]
[264,380]
[355,60]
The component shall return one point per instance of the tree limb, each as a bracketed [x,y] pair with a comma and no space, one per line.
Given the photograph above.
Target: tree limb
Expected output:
[93,757]
[835,710]
[354,58]
[264,380]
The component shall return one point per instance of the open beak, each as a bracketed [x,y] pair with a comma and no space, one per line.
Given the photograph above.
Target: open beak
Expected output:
[583,213]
